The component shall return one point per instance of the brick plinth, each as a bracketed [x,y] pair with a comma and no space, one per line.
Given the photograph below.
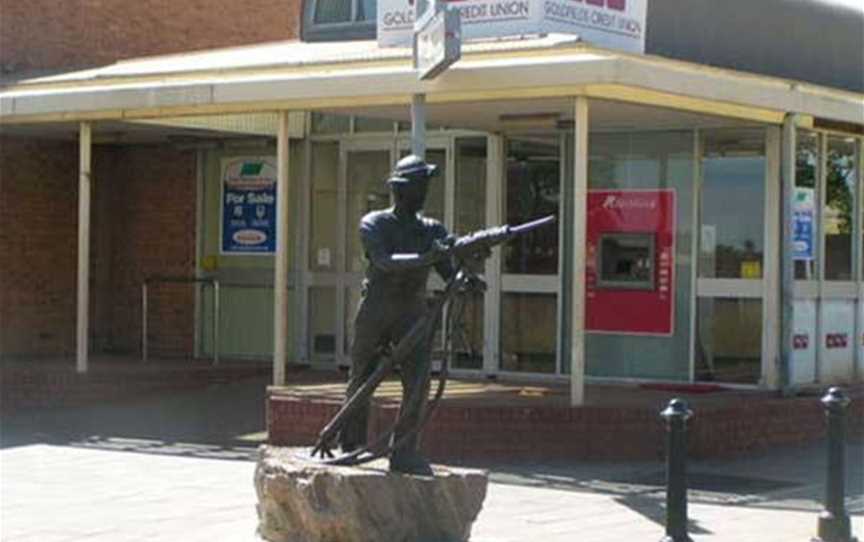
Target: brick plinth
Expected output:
[469,433]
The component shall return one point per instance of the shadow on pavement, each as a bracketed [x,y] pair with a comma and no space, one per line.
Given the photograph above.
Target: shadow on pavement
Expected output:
[221,421]
[784,479]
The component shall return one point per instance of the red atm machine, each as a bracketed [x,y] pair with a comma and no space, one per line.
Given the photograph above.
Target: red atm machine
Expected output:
[630,275]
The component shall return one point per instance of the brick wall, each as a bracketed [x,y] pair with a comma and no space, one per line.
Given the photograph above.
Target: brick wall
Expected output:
[64,34]
[153,233]
[143,223]
[143,198]
[38,253]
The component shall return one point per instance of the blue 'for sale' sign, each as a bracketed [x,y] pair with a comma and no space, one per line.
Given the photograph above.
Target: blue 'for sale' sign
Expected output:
[249,205]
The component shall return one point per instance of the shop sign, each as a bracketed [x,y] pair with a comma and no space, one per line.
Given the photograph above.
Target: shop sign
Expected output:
[249,205]
[804,220]
[614,24]
[630,268]
[438,43]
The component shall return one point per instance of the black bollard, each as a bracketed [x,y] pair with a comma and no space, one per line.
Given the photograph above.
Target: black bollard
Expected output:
[676,416]
[834,523]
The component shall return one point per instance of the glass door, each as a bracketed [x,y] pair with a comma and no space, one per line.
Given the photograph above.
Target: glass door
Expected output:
[729,330]
[347,179]
[366,169]
[529,264]
[438,206]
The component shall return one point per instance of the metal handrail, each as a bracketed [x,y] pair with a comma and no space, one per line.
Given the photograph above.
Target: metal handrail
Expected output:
[179,280]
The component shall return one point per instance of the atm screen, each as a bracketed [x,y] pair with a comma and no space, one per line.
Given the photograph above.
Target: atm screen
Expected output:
[627,261]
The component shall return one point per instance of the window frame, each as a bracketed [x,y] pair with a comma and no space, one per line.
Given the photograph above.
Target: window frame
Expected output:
[347,31]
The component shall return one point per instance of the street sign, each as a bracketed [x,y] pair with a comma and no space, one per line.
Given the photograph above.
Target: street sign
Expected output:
[439,43]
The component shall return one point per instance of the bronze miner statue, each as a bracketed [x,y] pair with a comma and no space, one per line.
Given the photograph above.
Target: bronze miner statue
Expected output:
[395,322]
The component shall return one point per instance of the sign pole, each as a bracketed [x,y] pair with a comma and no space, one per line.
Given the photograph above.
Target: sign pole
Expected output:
[418,101]
[437,45]
[418,125]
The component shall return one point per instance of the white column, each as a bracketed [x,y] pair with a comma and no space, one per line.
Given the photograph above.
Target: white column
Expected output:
[495,181]
[580,215]
[280,280]
[774,260]
[85,142]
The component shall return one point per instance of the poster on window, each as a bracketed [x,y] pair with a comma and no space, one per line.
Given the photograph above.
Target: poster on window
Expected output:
[860,331]
[837,343]
[249,205]
[804,221]
[630,266]
[804,342]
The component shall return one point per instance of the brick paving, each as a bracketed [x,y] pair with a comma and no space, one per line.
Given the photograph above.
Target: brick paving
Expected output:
[180,468]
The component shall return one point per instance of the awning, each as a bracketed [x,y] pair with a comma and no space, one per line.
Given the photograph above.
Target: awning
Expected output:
[318,76]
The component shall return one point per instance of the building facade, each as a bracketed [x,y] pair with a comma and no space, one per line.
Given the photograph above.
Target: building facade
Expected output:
[685,157]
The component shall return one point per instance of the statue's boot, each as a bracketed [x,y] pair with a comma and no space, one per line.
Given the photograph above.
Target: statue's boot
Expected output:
[410,462]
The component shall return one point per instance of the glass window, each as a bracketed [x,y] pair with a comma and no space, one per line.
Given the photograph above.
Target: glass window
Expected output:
[860,204]
[352,303]
[323,205]
[655,160]
[528,329]
[337,20]
[470,216]
[470,184]
[729,341]
[332,11]
[837,222]
[467,334]
[733,204]
[367,191]
[533,191]
[367,10]
[434,206]
[366,124]
[325,123]
[804,205]
[322,324]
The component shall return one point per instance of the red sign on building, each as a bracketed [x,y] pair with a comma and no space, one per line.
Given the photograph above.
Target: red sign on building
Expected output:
[630,274]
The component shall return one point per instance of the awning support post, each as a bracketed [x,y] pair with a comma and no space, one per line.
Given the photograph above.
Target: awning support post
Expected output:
[787,266]
[82,345]
[580,215]
[280,280]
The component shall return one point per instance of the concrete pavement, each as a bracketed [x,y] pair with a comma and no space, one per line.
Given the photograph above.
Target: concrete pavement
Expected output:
[179,468]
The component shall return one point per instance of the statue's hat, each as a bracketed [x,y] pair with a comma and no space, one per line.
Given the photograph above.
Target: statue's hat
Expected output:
[412,168]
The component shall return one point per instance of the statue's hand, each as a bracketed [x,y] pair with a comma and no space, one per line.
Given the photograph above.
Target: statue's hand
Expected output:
[441,249]
[473,282]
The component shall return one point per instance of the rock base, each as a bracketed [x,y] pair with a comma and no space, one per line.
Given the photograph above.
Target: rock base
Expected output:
[300,500]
